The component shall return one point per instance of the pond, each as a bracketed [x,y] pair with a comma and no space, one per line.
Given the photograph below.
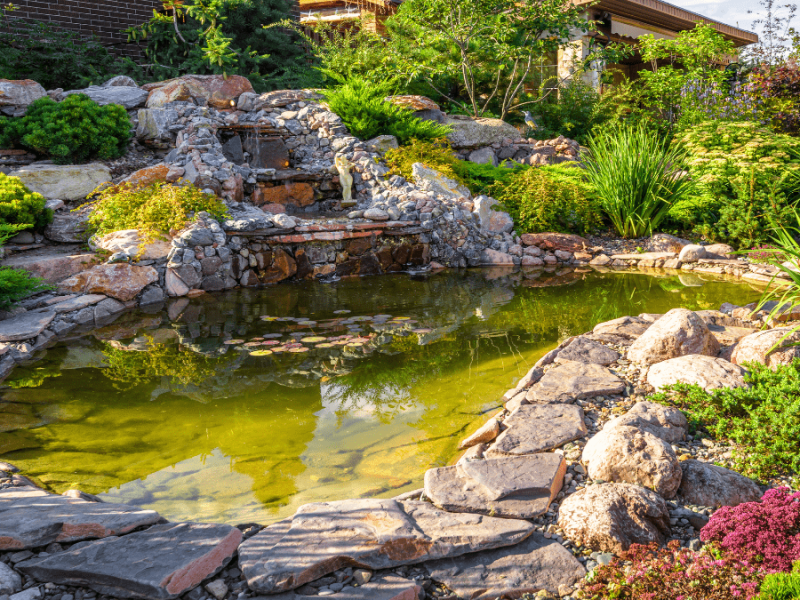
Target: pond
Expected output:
[240,407]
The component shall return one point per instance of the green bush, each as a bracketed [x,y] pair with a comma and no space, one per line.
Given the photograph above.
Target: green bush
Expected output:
[16,284]
[21,207]
[635,177]
[781,586]
[549,199]
[153,210]
[362,107]
[573,112]
[72,131]
[762,420]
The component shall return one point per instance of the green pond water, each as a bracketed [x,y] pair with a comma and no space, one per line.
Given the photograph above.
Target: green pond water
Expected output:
[170,410]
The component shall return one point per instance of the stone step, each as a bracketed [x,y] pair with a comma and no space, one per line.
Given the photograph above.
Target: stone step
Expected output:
[159,563]
[536,428]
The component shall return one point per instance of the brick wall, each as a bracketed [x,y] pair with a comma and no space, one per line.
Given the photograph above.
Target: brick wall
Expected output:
[103,18]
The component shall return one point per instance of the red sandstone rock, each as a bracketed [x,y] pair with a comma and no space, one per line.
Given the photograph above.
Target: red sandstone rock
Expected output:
[218,90]
[121,281]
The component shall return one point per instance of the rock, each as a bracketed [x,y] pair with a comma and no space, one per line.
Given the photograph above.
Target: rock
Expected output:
[600,260]
[709,485]
[720,251]
[16,95]
[284,221]
[533,565]
[10,580]
[757,347]
[424,108]
[30,517]
[680,332]
[664,242]
[493,257]
[369,533]
[474,132]
[517,487]
[121,281]
[486,433]
[129,242]
[69,228]
[159,563]
[25,326]
[691,253]
[536,428]
[483,156]
[154,124]
[52,268]
[126,96]
[622,331]
[32,593]
[175,286]
[432,180]
[217,588]
[65,182]
[382,144]
[376,214]
[584,350]
[664,422]
[499,222]
[278,99]
[556,241]
[482,208]
[572,380]
[624,454]
[708,372]
[120,80]
[105,309]
[218,90]
[147,176]
[612,516]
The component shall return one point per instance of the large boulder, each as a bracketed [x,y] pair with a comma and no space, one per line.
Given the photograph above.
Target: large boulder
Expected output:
[612,516]
[624,454]
[758,347]
[705,484]
[219,91]
[678,333]
[710,373]
[129,241]
[121,281]
[433,181]
[474,132]
[154,123]
[126,96]
[16,95]
[65,182]
[147,176]
[664,422]
[69,227]
[52,267]
[664,242]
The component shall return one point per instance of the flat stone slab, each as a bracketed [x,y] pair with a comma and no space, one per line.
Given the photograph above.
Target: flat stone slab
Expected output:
[390,587]
[78,303]
[30,518]
[582,349]
[25,326]
[371,533]
[534,428]
[533,565]
[622,331]
[572,380]
[159,563]
[645,256]
[518,487]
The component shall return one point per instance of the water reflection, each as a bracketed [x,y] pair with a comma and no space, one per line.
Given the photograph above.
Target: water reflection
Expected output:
[191,410]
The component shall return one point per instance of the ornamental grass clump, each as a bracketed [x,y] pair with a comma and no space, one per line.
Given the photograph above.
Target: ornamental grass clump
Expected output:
[674,573]
[636,178]
[766,533]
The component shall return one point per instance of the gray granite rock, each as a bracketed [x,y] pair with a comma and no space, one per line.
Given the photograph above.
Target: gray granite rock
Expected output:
[159,563]
[533,565]
[536,428]
[585,350]
[518,487]
[126,96]
[373,533]
[25,326]
[572,380]
[10,580]
[30,518]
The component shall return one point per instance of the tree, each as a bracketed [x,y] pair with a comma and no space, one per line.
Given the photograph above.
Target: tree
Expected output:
[491,48]
[774,23]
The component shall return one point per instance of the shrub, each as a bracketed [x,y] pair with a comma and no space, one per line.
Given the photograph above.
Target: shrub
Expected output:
[362,107]
[72,131]
[19,206]
[16,284]
[779,88]
[763,419]
[153,210]
[548,199]
[766,532]
[673,573]
[573,112]
[635,178]
[781,586]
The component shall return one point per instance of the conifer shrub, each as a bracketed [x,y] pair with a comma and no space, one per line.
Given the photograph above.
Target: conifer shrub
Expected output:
[73,131]
[781,586]
[154,210]
[363,108]
[21,208]
[16,284]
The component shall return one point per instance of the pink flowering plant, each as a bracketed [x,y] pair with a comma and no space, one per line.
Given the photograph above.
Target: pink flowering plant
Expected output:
[766,533]
[674,573]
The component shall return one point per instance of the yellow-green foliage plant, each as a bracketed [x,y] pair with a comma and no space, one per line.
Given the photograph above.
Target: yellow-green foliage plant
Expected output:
[154,210]
[21,208]
[435,154]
